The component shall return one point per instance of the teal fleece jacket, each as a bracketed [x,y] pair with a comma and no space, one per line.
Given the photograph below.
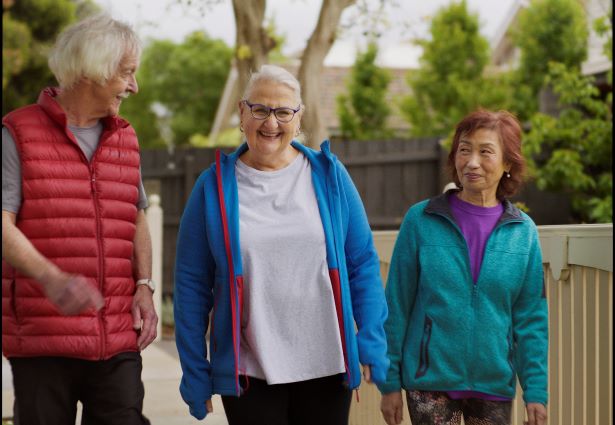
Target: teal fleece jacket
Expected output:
[444,332]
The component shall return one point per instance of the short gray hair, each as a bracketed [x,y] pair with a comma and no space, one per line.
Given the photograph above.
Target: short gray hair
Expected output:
[275,74]
[92,48]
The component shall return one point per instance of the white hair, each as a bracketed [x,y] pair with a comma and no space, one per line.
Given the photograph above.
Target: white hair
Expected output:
[92,48]
[274,74]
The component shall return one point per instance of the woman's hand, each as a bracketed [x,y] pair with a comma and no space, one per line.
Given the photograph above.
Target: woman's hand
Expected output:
[392,407]
[367,374]
[536,414]
[209,406]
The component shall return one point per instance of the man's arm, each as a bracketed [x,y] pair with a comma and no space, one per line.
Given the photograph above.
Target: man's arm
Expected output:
[143,311]
[70,293]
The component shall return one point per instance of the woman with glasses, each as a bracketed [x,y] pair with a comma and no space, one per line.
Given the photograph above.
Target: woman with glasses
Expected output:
[275,258]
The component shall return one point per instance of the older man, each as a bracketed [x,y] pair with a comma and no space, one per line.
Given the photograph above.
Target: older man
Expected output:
[76,290]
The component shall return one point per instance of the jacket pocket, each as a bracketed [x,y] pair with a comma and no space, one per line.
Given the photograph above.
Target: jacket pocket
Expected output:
[212,322]
[424,349]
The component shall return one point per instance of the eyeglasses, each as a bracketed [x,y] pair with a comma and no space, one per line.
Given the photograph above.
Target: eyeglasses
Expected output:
[262,112]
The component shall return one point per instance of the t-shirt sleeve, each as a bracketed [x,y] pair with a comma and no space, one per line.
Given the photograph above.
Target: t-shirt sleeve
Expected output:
[142,202]
[11,174]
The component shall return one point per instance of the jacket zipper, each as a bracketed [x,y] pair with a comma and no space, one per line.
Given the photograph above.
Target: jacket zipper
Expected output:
[14,299]
[424,349]
[474,286]
[511,382]
[101,264]
[232,282]
[335,241]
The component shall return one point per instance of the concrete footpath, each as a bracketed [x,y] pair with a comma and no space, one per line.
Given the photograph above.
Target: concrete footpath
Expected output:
[161,375]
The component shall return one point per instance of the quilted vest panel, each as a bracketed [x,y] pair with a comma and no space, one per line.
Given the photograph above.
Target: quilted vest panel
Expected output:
[80,215]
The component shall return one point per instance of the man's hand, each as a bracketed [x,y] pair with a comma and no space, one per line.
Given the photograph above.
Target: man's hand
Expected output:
[367,374]
[144,316]
[71,294]
[392,407]
[536,414]
[209,406]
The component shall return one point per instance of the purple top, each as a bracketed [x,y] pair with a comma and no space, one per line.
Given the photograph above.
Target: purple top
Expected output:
[476,224]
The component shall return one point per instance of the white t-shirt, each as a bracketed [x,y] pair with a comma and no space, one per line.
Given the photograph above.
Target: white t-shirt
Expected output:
[289,329]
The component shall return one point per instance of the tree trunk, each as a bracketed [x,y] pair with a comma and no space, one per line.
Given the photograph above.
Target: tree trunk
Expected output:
[252,43]
[311,67]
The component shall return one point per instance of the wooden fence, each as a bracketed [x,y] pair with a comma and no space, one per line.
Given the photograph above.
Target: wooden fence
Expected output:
[390,176]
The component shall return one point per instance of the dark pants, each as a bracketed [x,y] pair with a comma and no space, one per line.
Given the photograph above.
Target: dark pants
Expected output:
[322,401]
[437,408]
[47,390]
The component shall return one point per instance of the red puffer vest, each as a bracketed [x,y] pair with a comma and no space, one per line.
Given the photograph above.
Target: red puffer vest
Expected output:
[80,215]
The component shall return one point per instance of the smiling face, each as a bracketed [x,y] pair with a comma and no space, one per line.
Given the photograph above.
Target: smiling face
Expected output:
[107,97]
[479,162]
[269,140]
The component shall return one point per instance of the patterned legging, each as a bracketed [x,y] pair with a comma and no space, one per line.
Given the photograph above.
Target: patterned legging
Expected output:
[437,408]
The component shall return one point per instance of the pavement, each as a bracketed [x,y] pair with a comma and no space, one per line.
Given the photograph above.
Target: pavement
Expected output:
[161,375]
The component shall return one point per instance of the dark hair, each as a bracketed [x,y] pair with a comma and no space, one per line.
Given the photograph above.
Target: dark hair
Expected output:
[508,130]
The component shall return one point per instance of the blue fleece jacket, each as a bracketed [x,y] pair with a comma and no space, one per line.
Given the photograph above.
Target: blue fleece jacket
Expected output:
[446,333]
[208,278]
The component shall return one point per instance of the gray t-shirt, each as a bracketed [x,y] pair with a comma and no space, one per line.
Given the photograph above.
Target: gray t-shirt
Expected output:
[289,329]
[87,138]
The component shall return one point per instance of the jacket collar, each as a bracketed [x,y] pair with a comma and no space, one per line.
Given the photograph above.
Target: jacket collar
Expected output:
[311,154]
[440,205]
[47,101]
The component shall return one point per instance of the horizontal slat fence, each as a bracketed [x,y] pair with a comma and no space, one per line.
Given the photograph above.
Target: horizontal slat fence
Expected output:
[390,175]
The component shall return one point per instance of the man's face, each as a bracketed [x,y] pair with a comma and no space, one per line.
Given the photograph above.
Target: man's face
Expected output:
[108,96]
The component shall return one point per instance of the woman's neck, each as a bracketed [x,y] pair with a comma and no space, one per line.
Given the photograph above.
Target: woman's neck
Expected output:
[270,162]
[482,199]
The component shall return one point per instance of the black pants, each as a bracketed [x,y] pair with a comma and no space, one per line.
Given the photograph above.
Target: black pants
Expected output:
[322,401]
[437,408]
[47,390]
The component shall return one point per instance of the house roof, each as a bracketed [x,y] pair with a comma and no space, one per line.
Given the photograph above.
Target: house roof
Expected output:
[505,55]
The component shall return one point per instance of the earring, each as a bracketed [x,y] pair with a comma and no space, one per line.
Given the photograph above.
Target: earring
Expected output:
[298,132]
[507,175]
[241,127]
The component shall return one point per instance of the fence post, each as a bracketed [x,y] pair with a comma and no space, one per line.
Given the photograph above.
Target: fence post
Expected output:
[155,222]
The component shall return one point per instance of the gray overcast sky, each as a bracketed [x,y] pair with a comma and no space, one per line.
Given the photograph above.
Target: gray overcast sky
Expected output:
[296,20]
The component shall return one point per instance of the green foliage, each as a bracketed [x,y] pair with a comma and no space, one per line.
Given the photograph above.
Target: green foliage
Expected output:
[44,17]
[363,111]
[39,22]
[572,153]
[187,78]
[29,30]
[229,137]
[16,38]
[450,81]
[548,31]
[603,27]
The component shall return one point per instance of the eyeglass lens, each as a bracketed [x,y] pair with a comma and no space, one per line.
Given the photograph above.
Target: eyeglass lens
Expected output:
[261,112]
